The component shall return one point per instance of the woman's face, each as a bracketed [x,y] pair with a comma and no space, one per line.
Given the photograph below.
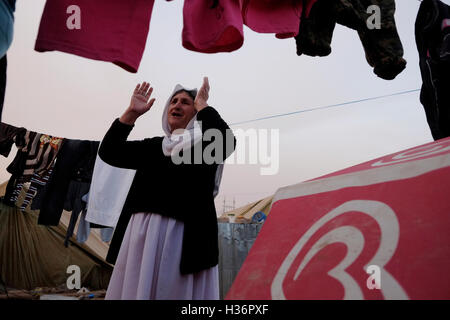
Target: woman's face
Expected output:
[181,110]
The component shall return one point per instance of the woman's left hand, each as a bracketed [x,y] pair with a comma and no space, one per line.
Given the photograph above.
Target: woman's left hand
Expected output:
[201,100]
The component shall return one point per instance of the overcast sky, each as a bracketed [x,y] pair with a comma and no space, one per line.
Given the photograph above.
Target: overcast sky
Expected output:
[73,97]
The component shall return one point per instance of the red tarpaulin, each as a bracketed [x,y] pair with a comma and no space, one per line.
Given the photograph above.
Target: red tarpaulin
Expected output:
[379,230]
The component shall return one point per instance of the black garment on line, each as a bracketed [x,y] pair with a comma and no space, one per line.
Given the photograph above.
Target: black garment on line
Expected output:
[183,192]
[8,136]
[16,168]
[316,29]
[75,160]
[37,199]
[433,44]
[77,189]
[382,47]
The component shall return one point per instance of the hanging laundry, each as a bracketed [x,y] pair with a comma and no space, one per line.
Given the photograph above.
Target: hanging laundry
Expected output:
[109,190]
[116,31]
[40,154]
[10,135]
[78,187]
[316,30]
[383,47]
[37,182]
[84,227]
[217,26]
[432,32]
[74,203]
[75,161]
[281,17]
[107,30]
[17,166]
[212,28]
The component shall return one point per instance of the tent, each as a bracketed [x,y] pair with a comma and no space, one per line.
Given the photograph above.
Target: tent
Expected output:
[245,214]
[377,230]
[33,255]
[236,239]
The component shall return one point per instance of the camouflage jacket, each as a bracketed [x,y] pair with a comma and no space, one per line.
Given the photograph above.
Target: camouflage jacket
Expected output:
[383,48]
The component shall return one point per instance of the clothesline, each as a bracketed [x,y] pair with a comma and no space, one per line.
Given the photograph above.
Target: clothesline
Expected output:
[325,107]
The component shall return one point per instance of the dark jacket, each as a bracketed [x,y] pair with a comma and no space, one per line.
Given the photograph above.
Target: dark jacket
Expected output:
[17,166]
[183,191]
[433,45]
[75,162]
[8,136]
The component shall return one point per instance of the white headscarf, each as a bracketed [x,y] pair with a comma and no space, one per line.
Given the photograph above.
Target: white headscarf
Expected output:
[179,140]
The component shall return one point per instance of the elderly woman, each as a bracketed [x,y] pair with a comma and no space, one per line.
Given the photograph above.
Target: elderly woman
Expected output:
[170,246]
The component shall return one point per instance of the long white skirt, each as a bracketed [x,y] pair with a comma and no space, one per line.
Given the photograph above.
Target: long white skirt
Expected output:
[148,264]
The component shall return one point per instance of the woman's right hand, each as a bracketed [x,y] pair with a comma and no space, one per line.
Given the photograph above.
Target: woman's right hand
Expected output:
[139,103]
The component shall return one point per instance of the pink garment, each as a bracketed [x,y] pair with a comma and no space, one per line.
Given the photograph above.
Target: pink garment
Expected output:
[220,29]
[211,30]
[110,30]
[148,265]
[281,17]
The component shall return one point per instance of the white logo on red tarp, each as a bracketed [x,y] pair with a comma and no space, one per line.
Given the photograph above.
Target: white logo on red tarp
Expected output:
[353,238]
[416,153]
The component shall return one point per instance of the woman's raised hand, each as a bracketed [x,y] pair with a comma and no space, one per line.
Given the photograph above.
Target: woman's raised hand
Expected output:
[139,103]
[201,100]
